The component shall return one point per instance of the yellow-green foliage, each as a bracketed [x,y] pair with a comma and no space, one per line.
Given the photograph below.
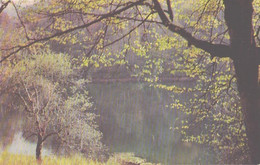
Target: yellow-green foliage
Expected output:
[118,159]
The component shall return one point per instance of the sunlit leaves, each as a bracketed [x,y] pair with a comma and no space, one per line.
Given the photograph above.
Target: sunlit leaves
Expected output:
[151,53]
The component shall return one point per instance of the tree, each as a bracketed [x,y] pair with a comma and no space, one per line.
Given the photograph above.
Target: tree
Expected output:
[4,5]
[243,51]
[52,105]
[241,48]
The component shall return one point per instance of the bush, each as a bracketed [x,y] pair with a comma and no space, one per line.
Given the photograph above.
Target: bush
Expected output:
[47,89]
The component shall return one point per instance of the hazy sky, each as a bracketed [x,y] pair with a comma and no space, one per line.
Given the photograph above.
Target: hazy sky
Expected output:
[10,9]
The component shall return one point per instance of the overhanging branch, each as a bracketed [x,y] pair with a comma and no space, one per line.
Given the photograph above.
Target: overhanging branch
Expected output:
[4,5]
[105,16]
[216,50]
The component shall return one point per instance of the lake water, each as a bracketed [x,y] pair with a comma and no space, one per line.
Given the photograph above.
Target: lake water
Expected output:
[133,118]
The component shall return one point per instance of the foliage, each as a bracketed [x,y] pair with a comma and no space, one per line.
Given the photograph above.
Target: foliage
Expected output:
[214,116]
[210,106]
[212,112]
[46,90]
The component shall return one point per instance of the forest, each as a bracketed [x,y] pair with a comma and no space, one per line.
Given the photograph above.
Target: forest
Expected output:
[131,82]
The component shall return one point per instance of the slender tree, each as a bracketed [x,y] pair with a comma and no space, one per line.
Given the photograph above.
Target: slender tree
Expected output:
[53,107]
[242,49]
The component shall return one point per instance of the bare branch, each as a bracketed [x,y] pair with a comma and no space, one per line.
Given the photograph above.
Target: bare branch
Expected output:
[33,134]
[139,20]
[27,107]
[54,133]
[21,21]
[203,11]
[128,32]
[48,135]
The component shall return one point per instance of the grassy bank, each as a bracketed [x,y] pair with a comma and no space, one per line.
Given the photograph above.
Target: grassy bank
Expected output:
[118,159]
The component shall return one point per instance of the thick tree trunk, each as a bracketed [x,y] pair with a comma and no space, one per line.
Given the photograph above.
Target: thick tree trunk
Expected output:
[238,17]
[246,72]
[39,147]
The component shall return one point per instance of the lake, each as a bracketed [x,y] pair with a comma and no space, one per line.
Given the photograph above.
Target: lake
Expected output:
[133,118]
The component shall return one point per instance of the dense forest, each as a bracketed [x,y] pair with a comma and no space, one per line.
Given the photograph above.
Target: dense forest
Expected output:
[130,81]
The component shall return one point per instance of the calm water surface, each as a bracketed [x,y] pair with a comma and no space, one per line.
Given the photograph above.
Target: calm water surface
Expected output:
[133,118]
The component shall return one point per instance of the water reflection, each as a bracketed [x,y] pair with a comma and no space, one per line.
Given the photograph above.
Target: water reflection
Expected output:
[21,146]
[11,135]
[133,118]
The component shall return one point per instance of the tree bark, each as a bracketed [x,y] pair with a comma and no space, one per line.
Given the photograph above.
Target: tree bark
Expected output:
[246,72]
[238,17]
[39,147]
[245,55]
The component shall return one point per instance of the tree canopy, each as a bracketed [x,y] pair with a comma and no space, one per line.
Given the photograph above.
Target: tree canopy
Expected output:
[215,42]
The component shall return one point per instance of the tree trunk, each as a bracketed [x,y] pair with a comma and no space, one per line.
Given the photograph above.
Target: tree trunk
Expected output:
[249,93]
[238,17]
[39,147]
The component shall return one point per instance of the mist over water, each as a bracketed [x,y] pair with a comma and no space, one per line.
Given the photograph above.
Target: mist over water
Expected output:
[20,145]
[133,117]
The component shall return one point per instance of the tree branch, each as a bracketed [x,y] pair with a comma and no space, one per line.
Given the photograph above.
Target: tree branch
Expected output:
[54,133]
[170,9]
[4,5]
[50,134]
[105,16]
[33,134]
[118,39]
[21,21]
[216,50]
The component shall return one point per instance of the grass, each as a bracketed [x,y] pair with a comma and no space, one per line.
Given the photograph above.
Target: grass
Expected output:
[7,158]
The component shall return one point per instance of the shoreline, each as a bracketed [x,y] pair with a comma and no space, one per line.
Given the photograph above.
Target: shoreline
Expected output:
[134,80]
